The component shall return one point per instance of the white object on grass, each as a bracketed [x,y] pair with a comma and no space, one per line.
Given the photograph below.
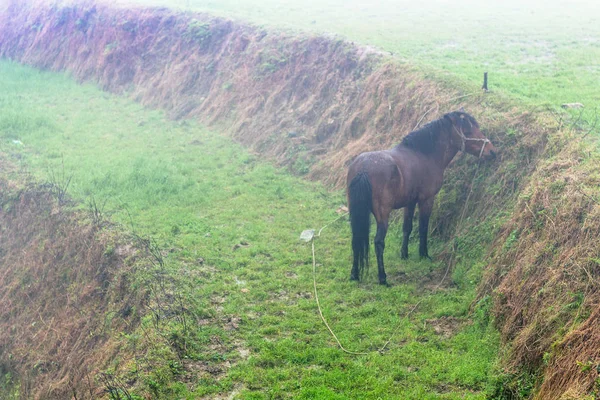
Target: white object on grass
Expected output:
[307,235]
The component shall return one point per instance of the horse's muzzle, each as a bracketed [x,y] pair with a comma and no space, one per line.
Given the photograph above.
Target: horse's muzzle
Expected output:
[491,155]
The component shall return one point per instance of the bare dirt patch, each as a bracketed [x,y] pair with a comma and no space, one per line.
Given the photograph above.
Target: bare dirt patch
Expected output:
[445,327]
[439,278]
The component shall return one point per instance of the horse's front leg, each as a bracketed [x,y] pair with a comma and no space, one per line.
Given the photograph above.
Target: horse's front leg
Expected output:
[425,208]
[382,228]
[409,213]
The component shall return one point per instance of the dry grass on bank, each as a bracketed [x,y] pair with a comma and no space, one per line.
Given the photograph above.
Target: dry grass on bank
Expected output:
[64,290]
[544,275]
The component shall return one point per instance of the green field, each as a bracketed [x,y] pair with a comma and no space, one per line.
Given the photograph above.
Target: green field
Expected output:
[228,225]
[544,53]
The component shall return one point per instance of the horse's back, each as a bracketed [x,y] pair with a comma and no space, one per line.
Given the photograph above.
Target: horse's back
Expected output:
[374,163]
[398,176]
[384,176]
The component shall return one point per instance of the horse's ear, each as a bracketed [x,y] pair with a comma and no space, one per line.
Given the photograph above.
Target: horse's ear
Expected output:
[449,117]
[462,109]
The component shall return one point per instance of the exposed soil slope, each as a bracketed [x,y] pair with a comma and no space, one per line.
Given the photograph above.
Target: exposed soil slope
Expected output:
[312,103]
[64,292]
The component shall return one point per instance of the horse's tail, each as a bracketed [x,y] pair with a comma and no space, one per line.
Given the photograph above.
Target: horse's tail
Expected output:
[360,203]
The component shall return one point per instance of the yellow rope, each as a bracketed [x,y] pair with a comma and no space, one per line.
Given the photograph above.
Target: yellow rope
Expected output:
[319,304]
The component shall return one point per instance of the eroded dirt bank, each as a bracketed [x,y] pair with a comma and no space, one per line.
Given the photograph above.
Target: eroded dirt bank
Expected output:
[312,103]
[64,292]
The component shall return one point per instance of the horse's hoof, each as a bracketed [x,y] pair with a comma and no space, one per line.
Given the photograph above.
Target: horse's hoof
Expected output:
[353,278]
[384,283]
[404,256]
[426,256]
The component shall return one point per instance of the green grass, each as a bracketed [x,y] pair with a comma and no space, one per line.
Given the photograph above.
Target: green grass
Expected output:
[229,226]
[543,53]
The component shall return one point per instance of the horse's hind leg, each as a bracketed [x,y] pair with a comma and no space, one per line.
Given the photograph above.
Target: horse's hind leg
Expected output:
[425,208]
[409,213]
[382,228]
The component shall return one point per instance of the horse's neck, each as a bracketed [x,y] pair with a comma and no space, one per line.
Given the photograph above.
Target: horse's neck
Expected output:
[444,151]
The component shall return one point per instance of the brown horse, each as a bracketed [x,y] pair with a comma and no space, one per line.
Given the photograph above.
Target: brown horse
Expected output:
[409,174]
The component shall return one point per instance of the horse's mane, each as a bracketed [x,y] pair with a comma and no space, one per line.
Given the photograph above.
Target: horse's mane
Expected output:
[424,139]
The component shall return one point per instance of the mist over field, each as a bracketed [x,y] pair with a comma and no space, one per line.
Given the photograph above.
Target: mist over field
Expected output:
[544,52]
[158,165]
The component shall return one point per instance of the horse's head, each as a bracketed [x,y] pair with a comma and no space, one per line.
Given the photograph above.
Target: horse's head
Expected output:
[467,137]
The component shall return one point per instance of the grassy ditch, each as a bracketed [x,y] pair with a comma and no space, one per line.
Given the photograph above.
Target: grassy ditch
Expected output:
[223,228]
[535,211]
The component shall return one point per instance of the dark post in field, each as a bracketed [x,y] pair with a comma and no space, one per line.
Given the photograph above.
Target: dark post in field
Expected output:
[484,87]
